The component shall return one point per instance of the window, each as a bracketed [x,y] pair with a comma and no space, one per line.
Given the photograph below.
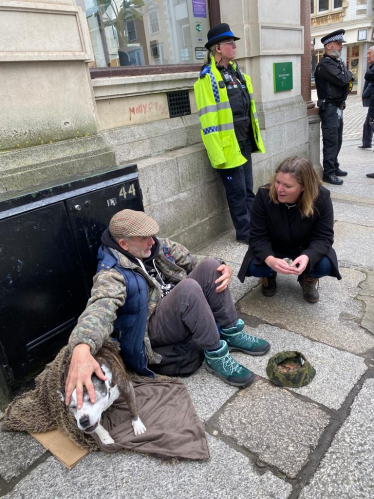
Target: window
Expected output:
[136,57]
[153,22]
[323,5]
[122,31]
[131,31]
[157,52]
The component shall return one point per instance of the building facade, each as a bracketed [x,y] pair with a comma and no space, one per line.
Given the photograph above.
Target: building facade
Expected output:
[356,17]
[97,94]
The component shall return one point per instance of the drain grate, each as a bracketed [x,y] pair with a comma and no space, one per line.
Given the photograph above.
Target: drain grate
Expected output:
[179,103]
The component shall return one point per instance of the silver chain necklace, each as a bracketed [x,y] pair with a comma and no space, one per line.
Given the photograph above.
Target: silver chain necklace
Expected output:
[290,205]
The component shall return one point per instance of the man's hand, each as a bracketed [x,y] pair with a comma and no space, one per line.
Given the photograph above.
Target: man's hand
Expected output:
[281,266]
[82,366]
[300,263]
[225,278]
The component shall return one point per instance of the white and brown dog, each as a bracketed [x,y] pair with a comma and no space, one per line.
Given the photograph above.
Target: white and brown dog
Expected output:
[117,384]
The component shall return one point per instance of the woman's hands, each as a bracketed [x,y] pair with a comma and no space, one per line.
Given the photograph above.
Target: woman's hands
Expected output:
[279,265]
[300,263]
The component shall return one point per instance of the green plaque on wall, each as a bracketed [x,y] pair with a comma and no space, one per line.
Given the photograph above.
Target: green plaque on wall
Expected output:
[282,76]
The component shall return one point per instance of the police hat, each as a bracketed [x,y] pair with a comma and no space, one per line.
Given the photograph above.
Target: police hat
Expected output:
[335,36]
[290,369]
[219,33]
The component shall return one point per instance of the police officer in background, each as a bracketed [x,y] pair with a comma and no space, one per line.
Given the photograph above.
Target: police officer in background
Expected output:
[333,82]
[229,125]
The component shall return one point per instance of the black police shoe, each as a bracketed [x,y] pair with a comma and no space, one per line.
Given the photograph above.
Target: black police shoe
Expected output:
[364,147]
[339,173]
[332,179]
[370,175]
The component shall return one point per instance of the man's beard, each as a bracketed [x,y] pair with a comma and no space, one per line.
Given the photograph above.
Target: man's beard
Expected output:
[335,54]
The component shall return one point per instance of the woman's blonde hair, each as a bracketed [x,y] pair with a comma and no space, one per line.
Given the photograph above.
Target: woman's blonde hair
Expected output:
[303,172]
[209,53]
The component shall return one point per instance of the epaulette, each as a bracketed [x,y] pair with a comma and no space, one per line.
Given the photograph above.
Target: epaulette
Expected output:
[205,70]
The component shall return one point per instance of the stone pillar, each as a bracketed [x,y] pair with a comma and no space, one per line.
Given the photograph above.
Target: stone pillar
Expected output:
[270,33]
[49,121]
[306,63]
[306,66]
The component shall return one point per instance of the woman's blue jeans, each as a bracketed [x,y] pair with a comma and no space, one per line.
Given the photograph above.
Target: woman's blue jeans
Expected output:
[321,269]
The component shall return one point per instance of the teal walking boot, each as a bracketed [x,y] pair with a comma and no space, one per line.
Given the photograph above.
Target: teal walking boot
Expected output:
[220,363]
[240,341]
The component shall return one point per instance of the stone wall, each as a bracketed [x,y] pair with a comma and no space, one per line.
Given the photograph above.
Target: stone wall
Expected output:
[49,122]
[59,124]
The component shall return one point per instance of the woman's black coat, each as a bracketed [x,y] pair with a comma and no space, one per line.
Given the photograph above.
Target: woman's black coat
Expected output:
[270,233]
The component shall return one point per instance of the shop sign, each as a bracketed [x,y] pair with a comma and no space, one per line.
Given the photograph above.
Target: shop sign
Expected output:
[200,52]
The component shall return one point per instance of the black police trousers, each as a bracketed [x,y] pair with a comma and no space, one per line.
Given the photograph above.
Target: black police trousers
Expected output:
[238,183]
[332,137]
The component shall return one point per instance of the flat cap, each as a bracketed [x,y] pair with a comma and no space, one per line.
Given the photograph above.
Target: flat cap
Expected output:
[335,36]
[130,223]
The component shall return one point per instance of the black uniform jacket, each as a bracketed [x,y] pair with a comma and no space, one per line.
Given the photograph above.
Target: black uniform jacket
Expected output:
[270,232]
[369,78]
[332,79]
[367,93]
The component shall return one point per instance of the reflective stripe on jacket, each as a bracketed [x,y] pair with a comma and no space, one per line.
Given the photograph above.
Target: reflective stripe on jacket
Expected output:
[216,119]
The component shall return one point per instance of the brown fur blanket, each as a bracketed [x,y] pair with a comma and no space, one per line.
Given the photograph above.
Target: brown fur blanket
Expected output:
[165,407]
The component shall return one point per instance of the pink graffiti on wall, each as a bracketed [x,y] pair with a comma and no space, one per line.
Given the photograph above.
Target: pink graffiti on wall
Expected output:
[147,108]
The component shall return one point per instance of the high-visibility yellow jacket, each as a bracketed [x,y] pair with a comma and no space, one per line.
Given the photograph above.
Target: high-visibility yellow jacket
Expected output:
[216,118]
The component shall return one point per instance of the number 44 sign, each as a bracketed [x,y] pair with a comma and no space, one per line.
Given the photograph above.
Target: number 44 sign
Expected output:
[125,192]
[130,192]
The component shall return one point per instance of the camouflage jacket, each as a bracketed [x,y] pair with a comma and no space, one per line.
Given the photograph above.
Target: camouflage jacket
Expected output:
[108,294]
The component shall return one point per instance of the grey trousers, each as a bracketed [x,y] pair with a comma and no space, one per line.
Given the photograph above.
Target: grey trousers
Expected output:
[193,308]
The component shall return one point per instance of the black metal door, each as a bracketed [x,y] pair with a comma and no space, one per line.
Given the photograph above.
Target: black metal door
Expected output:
[41,286]
[48,250]
[90,214]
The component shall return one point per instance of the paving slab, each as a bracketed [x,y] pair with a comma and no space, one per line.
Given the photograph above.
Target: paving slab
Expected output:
[334,320]
[347,470]
[90,479]
[366,295]
[360,190]
[354,244]
[274,424]
[18,451]
[367,286]
[337,371]
[208,393]
[357,162]
[228,473]
[362,215]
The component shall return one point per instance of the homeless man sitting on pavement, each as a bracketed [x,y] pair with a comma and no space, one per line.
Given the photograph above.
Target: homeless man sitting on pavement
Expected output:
[153,293]
[292,218]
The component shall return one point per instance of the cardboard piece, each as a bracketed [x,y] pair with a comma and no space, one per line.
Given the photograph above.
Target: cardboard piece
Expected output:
[66,451]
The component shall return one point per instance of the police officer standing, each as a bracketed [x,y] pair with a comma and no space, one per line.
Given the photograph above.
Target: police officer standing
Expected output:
[229,124]
[333,82]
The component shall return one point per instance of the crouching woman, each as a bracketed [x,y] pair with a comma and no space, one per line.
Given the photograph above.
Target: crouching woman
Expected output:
[292,218]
